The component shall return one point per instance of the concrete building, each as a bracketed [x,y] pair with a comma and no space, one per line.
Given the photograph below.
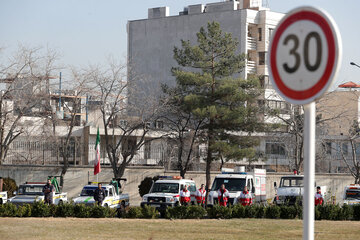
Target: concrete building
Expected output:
[151,41]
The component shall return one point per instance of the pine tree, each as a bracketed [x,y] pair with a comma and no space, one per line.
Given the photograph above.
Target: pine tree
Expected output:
[207,87]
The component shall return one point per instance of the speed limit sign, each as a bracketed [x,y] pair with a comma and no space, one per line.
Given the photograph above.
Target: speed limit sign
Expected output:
[304,55]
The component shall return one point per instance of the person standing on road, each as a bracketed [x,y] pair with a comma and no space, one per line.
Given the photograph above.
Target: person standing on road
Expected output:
[200,195]
[319,198]
[48,191]
[223,195]
[185,196]
[99,194]
[245,197]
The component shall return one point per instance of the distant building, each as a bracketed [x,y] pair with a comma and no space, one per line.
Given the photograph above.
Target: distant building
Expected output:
[151,41]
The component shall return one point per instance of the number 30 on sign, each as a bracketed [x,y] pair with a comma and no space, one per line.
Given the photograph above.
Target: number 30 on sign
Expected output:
[304,55]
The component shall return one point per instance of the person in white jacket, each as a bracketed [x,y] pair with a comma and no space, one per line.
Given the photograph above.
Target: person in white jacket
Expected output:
[200,195]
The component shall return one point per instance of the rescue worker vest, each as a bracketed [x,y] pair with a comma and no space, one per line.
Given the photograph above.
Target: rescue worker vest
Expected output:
[318,199]
[184,196]
[200,196]
[223,197]
[245,198]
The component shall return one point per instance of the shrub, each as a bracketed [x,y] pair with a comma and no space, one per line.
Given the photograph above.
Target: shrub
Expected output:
[346,212]
[134,212]
[10,186]
[149,212]
[272,212]
[145,185]
[356,212]
[64,210]
[238,211]
[288,212]
[259,211]
[177,212]
[82,211]
[218,211]
[23,211]
[39,209]
[329,212]
[99,212]
[250,212]
[8,210]
[195,212]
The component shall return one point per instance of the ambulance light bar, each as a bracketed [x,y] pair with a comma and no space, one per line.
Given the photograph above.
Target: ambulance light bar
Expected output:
[170,177]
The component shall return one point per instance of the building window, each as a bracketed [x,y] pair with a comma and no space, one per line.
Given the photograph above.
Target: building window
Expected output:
[262,57]
[328,148]
[271,30]
[159,124]
[275,148]
[344,147]
[147,150]
[282,106]
[259,34]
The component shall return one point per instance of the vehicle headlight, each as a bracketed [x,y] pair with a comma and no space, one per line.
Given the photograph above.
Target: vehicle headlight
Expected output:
[145,199]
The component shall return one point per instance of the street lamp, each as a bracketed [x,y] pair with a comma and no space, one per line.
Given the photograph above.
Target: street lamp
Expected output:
[354,64]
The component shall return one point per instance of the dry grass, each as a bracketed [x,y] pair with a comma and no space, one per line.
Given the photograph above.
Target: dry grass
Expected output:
[74,228]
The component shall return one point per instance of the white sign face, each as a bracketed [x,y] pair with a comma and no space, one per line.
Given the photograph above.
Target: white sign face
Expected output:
[304,55]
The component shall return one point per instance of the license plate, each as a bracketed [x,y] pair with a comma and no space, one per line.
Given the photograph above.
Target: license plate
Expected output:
[155,205]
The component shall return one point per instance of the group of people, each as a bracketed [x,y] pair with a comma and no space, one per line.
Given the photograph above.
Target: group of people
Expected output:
[244,199]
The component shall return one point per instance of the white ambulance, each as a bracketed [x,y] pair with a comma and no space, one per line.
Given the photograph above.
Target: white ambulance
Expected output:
[235,180]
[165,192]
[352,194]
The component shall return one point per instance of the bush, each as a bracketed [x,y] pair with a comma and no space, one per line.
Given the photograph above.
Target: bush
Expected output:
[134,212]
[346,212]
[146,184]
[259,211]
[288,212]
[23,211]
[218,211]
[8,210]
[149,212]
[356,212]
[177,212]
[272,212]
[99,212]
[250,212]
[195,212]
[10,186]
[39,209]
[82,211]
[238,211]
[64,210]
[329,212]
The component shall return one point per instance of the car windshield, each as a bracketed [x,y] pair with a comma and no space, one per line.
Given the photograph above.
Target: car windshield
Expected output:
[291,182]
[165,188]
[352,194]
[89,191]
[231,184]
[31,190]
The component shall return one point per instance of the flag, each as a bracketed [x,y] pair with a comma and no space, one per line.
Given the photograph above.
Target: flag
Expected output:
[97,168]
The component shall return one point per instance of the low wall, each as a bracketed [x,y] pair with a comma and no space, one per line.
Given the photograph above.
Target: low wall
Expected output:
[77,177]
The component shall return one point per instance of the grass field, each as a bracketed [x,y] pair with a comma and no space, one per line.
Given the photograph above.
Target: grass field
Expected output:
[75,228]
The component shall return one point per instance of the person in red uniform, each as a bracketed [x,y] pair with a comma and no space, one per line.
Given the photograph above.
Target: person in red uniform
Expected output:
[319,199]
[245,197]
[185,196]
[223,195]
[200,195]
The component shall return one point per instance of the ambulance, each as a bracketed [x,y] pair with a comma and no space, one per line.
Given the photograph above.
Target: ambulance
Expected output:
[352,194]
[3,197]
[165,192]
[235,180]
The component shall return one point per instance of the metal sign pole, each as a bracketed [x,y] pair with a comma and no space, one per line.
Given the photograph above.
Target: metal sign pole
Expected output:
[309,176]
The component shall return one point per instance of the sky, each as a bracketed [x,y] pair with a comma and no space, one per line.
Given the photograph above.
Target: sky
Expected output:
[87,32]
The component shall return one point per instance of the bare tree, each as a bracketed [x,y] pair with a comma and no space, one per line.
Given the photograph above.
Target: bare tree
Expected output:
[126,125]
[24,87]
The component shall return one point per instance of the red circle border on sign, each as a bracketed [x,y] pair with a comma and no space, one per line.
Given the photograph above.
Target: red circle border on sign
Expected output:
[311,92]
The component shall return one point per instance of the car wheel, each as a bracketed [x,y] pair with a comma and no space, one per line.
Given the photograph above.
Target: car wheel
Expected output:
[106,205]
[61,202]
[1,201]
